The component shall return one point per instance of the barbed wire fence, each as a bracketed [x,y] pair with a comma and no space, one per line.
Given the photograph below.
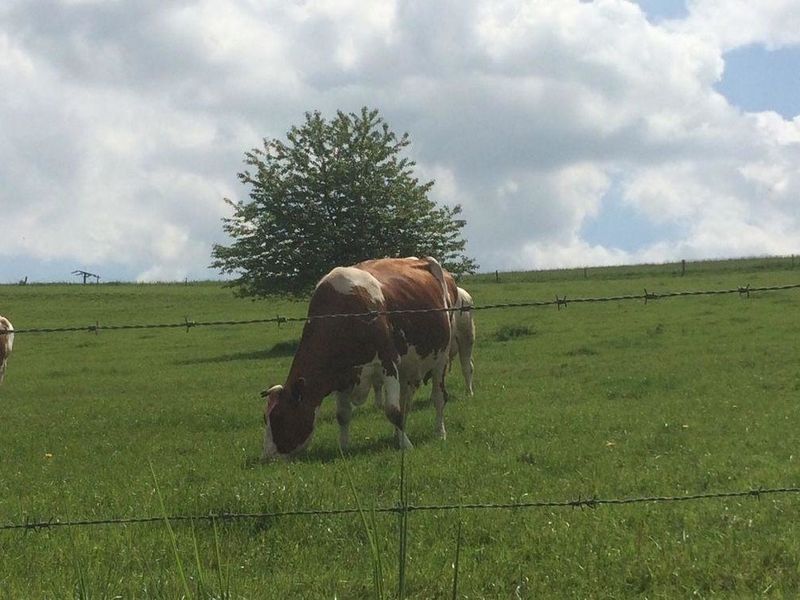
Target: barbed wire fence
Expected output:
[403,508]
[558,302]
[591,503]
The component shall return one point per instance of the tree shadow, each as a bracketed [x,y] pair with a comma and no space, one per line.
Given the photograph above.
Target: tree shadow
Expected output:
[279,350]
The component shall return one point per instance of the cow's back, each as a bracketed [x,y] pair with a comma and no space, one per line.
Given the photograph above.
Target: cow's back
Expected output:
[411,284]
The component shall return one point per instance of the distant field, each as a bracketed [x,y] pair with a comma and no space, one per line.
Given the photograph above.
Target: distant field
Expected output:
[609,400]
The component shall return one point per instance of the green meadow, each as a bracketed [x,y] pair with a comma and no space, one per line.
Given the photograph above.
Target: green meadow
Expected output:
[624,399]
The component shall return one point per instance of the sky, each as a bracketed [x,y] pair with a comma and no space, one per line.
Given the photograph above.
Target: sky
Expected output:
[572,132]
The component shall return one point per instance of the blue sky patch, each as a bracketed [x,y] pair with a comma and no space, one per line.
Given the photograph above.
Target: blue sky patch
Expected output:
[757,79]
[662,10]
[620,226]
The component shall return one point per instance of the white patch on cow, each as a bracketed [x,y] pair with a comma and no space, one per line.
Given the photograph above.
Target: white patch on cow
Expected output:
[413,369]
[346,279]
[370,376]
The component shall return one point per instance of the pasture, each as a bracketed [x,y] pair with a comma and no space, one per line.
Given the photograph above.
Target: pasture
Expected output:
[609,400]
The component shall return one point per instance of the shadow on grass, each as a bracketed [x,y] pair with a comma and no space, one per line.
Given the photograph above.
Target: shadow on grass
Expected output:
[326,451]
[279,350]
[420,403]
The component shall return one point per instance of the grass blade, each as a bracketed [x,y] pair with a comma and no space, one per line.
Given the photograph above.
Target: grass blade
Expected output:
[457,561]
[401,592]
[224,582]
[200,579]
[377,569]
[172,538]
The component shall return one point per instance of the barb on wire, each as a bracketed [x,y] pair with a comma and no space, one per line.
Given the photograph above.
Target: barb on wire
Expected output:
[558,303]
[189,324]
[593,503]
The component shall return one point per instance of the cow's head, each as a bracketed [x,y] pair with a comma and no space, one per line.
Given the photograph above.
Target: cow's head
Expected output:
[288,420]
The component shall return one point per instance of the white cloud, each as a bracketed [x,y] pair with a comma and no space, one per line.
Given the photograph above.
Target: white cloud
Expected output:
[569,254]
[125,123]
[734,23]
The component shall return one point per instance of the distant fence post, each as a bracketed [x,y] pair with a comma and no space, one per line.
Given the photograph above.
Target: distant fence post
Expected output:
[497,276]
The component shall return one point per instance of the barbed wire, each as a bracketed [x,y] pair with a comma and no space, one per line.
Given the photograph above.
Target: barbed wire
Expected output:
[756,493]
[558,302]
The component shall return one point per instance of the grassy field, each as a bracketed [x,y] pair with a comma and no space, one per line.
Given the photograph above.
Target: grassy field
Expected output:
[614,400]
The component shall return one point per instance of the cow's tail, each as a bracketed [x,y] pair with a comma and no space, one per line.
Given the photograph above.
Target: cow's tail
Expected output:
[438,273]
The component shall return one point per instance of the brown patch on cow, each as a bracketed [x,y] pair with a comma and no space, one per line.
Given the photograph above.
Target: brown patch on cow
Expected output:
[410,285]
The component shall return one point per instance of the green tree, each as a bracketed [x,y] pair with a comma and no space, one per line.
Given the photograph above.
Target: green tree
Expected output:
[334,193]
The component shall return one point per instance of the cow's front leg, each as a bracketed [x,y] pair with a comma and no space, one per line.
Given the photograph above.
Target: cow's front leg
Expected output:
[392,409]
[344,412]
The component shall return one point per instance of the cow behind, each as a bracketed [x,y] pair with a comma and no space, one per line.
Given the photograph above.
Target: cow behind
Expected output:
[464,337]
[6,344]
[394,353]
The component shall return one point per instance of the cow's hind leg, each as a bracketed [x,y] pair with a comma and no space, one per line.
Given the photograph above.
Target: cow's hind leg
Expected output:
[467,365]
[439,396]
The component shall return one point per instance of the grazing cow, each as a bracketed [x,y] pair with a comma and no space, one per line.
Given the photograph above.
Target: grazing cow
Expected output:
[393,354]
[6,344]
[464,338]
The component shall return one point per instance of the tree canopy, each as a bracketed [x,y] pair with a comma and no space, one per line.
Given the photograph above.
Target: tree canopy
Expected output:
[333,193]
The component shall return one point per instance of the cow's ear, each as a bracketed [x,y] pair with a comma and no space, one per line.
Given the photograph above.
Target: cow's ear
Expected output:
[297,389]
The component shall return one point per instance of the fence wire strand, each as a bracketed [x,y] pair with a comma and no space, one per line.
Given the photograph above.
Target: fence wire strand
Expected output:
[558,302]
[756,493]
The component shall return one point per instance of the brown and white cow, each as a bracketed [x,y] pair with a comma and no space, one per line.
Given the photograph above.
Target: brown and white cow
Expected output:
[393,354]
[6,344]
[464,337]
